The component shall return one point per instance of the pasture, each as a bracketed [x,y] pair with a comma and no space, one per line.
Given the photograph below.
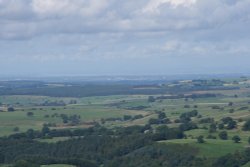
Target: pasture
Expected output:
[33,111]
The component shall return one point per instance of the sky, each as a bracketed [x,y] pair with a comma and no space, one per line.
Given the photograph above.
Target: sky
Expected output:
[124,37]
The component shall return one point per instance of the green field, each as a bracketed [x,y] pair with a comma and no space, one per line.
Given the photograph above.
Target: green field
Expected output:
[88,113]
[57,165]
[211,147]
[109,111]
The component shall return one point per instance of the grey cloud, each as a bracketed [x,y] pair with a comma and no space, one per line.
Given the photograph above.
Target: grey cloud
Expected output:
[94,30]
[95,16]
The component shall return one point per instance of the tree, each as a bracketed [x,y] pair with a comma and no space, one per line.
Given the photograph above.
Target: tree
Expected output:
[30,114]
[23,163]
[162,129]
[230,104]
[236,139]
[161,115]
[11,109]
[200,139]
[73,101]
[212,128]
[221,126]
[127,117]
[16,129]
[246,126]
[152,121]
[151,99]
[45,130]
[231,125]
[30,133]
[223,135]
[226,120]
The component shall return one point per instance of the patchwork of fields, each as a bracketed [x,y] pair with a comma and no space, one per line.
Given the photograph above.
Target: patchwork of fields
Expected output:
[35,111]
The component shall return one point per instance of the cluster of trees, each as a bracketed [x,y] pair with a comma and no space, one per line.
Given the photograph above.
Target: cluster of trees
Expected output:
[80,90]
[246,126]
[186,117]
[90,147]
[140,107]
[181,96]
[225,123]
[67,119]
[161,119]
[71,119]
[134,146]
[125,118]
[206,120]
[233,160]
[131,118]
[228,123]
[53,103]
[186,120]
[73,101]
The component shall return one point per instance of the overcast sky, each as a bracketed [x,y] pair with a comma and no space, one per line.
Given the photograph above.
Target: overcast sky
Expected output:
[124,37]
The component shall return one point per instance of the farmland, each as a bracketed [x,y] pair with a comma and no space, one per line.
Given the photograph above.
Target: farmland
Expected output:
[199,108]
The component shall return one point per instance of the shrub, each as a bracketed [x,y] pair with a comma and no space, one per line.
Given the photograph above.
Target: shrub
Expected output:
[30,114]
[236,139]
[246,126]
[200,139]
[223,135]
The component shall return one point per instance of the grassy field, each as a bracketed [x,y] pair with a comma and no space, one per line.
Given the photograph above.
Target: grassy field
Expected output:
[96,109]
[54,140]
[54,165]
[93,109]
[58,165]
[247,165]
[211,147]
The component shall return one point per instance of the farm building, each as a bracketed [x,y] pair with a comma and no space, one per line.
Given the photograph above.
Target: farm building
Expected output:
[3,108]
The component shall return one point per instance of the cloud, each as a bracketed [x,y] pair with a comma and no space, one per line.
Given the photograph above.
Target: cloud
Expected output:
[95,16]
[85,29]
[65,8]
[154,5]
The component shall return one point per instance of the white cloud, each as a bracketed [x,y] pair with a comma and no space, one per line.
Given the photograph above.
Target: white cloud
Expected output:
[118,28]
[60,8]
[115,16]
[154,5]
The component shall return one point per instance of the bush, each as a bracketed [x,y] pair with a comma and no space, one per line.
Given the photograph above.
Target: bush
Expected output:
[16,129]
[221,126]
[211,137]
[223,135]
[231,125]
[11,109]
[151,99]
[30,114]
[212,128]
[236,139]
[200,139]
[246,126]
[127,117]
